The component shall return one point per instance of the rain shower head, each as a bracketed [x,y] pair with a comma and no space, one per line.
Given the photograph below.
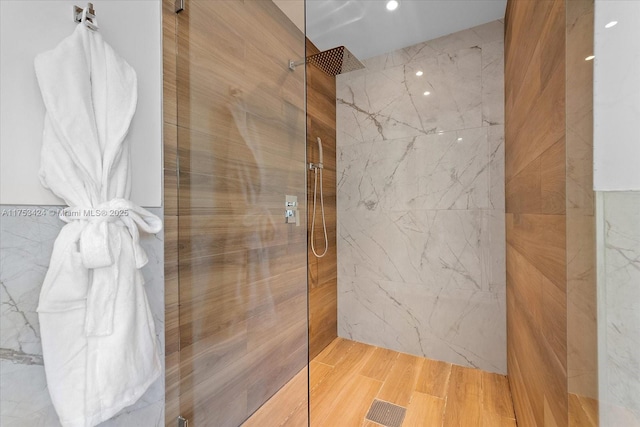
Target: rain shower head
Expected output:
[333,61]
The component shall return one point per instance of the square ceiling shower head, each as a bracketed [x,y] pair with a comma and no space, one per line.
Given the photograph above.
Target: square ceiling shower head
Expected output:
[335,61]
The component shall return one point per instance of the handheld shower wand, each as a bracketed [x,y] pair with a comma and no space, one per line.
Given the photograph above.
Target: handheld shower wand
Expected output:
[318,167]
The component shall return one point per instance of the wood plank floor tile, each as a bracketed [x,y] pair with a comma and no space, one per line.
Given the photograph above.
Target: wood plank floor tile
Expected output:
[434,378]
[334,351]
[401,380]
[324,394]
[379,364]
[350,405]
[283,404]
[357,356]
[299,417]
[434,393]
[317,373]
[424,410]
[496,397]
[489,419]
[464,407]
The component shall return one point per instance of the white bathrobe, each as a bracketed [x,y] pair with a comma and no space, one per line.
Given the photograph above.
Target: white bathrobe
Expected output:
[98,335]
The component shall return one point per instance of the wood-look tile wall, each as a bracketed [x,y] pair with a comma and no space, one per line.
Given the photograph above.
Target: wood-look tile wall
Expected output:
[236,294]
[321,122]
[535,210]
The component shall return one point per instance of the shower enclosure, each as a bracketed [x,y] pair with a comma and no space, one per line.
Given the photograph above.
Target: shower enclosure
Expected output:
[239,291]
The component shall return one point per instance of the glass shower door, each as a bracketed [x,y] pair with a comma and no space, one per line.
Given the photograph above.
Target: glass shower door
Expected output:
[241,154]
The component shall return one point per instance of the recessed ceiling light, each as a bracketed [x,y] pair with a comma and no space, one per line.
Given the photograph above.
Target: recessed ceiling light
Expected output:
[589,58]
[609,25]
[427,93]
[419,73]
[459,139]
[392,5]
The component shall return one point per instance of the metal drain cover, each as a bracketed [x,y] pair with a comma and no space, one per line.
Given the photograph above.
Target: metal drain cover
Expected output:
[386,413]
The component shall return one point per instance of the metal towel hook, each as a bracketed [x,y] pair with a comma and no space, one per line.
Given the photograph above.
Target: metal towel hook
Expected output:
[87,16]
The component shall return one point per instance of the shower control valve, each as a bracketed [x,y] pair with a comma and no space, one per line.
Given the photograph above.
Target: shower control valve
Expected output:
[291,214]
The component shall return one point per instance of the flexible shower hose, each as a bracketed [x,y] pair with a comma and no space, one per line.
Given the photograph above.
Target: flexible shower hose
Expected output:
[313,219]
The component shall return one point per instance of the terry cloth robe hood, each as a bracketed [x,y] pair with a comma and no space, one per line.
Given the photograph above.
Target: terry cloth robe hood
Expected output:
[98,335]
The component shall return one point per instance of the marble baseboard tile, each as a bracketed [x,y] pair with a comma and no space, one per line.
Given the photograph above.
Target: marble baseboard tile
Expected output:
[25,248]
[26,242]
[24,396]
[621,257]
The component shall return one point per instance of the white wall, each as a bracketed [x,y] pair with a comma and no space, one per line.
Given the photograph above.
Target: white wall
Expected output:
[133,28]
[617,96]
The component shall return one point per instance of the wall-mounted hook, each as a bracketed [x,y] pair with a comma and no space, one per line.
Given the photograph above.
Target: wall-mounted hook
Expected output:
[86,16]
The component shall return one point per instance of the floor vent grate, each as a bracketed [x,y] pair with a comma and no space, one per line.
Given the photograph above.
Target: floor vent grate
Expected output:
[386,413]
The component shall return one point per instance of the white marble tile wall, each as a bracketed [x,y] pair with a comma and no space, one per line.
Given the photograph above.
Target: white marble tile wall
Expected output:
[421,264]
[26,243]
[619,308]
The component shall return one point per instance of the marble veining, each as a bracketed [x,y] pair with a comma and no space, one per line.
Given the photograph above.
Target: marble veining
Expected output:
[450,248]
[421,264]
[444,324]
[390,103]
[619,257]
[26,243]
[496,167]
[444,171]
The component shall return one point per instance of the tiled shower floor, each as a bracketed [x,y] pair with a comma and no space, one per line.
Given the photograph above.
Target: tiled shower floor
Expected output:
[346,377]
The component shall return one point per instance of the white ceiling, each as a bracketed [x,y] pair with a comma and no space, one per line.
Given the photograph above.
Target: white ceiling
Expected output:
[368,29]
